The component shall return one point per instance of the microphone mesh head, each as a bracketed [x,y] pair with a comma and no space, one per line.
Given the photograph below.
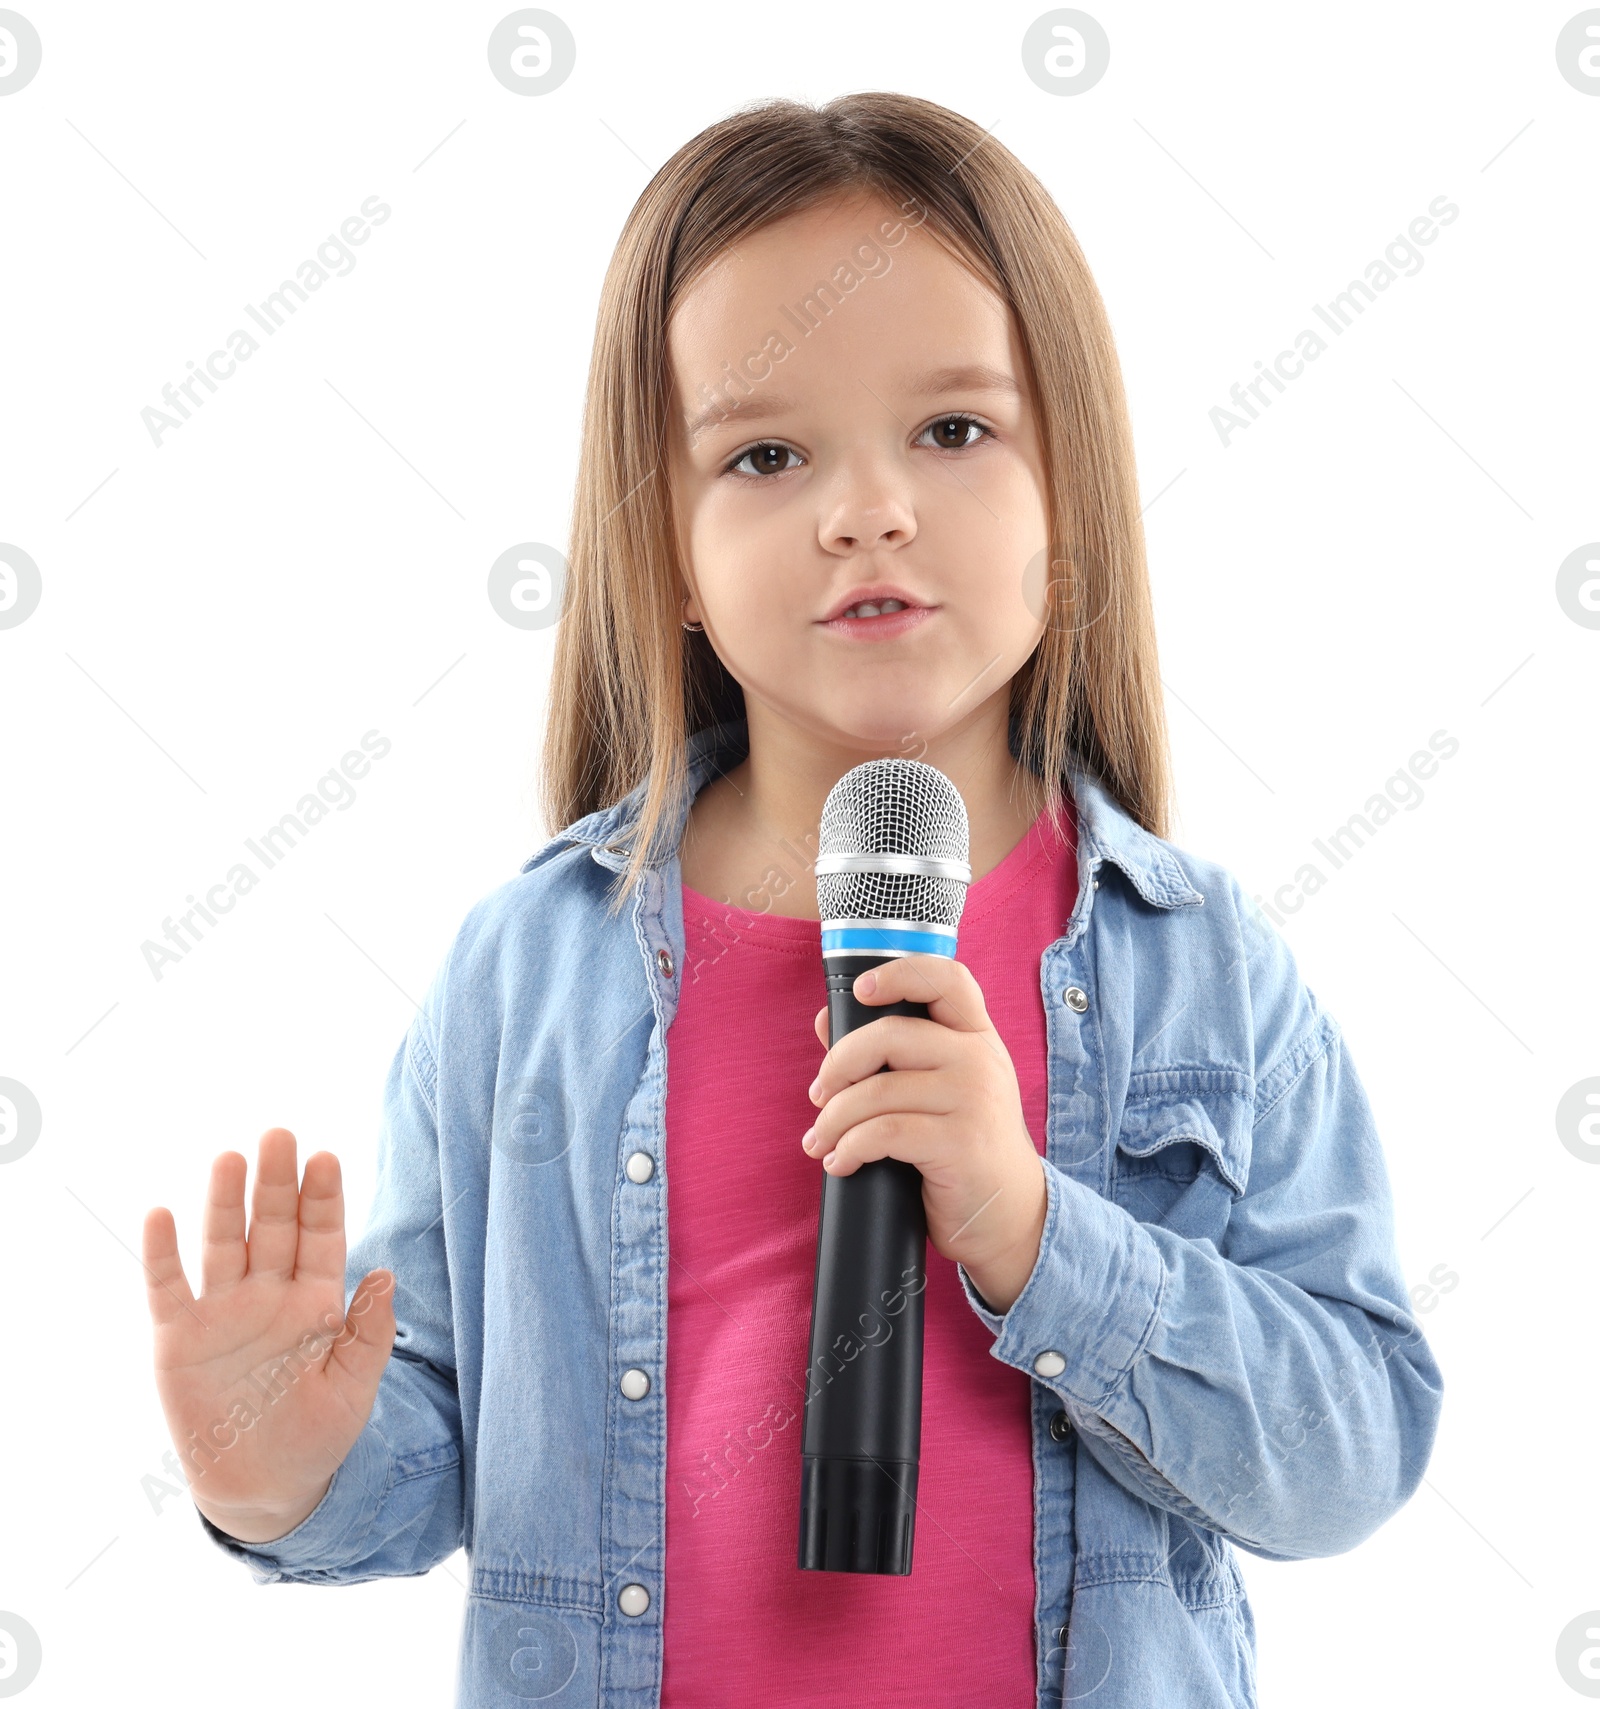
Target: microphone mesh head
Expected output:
[893,806]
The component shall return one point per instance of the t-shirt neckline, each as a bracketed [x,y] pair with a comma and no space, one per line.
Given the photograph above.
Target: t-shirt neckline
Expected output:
[1037,844]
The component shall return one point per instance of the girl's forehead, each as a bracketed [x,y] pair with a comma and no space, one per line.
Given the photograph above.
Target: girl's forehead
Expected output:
[835,283]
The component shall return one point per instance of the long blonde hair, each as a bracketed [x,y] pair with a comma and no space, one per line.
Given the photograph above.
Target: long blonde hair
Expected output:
[629,685]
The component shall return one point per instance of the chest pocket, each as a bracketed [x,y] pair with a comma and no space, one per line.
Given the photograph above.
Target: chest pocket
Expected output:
[1183,1152]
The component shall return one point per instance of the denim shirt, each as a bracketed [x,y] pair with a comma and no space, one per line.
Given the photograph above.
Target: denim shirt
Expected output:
[1216,1331]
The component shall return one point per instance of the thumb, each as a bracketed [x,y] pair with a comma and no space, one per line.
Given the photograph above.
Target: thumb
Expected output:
[362,1347]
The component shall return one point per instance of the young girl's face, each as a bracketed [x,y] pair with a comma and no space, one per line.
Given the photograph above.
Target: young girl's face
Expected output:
[890,449]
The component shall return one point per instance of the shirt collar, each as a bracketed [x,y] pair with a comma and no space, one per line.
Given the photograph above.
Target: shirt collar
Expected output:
[1106,831]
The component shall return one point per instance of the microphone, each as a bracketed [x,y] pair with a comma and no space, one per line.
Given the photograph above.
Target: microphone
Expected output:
[892,876]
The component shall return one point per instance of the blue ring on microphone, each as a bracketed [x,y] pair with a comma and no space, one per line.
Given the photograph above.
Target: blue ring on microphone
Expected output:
[864,940]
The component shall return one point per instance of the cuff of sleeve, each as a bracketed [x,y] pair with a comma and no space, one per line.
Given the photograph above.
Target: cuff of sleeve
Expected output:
[332,1528]
[1092,1299]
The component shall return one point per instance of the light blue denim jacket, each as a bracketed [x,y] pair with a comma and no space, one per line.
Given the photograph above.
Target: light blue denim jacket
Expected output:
[1216,1331]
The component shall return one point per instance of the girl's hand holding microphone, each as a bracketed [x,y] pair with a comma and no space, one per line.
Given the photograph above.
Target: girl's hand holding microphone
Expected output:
[265,1380]
[950,1106]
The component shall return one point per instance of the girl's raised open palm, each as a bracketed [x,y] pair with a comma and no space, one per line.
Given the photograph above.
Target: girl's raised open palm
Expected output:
[265,1379]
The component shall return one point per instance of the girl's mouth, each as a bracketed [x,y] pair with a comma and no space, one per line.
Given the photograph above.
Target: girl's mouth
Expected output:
[879,620]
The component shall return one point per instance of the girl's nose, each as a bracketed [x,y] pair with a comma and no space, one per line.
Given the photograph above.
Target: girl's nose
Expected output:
[868,509]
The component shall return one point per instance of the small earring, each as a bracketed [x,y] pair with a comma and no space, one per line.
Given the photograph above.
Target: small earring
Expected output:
[693,628]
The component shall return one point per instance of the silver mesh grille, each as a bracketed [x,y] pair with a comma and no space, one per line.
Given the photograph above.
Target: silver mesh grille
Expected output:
[893,806]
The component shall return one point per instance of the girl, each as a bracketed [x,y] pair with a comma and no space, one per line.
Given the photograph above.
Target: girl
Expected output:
[857,480]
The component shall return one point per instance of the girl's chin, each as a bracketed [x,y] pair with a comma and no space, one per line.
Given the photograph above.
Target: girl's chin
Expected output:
[870,704]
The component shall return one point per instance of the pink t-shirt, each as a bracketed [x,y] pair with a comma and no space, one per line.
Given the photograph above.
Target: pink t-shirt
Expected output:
[743,1624]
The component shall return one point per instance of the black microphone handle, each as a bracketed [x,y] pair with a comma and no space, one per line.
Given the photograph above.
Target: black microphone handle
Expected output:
[862,1436]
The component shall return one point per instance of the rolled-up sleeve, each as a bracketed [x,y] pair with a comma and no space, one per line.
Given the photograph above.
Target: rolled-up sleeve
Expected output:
[1276,1388]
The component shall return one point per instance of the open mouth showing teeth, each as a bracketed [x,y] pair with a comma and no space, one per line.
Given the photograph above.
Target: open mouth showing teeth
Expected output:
[874,608]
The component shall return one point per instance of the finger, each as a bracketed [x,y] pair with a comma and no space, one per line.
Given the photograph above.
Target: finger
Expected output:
[320,1252]
[891,1041]
[911,1138]
[947,986]
[820,1025]
[274,1207]
[167,1289]
[914,1093]
[362,1347]
[223,1259]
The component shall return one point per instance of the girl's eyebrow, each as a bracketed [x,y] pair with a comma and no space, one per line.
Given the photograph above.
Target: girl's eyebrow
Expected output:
[965,377]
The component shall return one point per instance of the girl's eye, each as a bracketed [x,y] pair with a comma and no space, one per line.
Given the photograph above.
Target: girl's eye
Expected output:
[763,455]
[960,424]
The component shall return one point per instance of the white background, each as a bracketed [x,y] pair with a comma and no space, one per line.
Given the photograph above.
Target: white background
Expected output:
[223,617]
